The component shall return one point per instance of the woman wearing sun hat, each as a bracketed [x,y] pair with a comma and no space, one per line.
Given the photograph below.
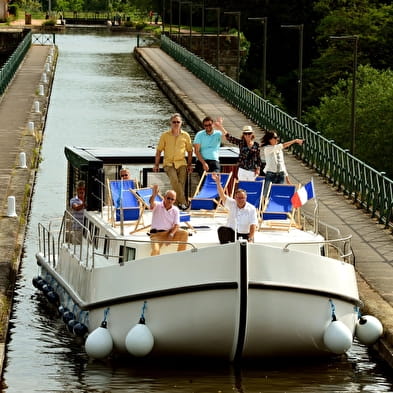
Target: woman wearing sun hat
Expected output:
[249,162]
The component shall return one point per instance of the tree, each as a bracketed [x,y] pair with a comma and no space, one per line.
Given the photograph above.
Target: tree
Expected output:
[374,116]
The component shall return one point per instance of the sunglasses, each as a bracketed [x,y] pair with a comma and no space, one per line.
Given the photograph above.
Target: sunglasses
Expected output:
[247,133]
[170,199]
[176,122]
[208,125]
[125,175]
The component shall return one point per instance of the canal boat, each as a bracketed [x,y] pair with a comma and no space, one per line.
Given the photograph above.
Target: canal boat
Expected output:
[291,292]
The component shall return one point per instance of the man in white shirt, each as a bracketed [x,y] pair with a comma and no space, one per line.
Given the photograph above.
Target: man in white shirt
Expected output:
[242,217]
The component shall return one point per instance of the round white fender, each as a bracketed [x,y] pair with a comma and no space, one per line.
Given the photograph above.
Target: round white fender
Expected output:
[337,337]
[368,329]
[99,342]
[139,340]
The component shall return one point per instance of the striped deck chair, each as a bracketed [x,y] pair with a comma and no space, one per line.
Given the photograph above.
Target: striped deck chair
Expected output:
[278,210]
[126,206]
[206,198]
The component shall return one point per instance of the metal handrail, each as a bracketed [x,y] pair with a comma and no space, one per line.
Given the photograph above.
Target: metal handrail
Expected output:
[345,240]
[367,187]
[10,67]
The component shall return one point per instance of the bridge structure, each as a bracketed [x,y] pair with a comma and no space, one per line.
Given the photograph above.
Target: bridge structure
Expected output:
[351,196]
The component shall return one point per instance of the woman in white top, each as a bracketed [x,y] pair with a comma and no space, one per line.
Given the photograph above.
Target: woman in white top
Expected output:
[275,170]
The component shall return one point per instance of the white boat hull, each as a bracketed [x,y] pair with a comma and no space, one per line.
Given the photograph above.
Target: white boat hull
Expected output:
[230,301]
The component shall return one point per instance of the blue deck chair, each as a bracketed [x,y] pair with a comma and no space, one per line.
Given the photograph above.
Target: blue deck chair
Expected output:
[278,205]
[144,194]
[124,201]
[254,192]
[206,195]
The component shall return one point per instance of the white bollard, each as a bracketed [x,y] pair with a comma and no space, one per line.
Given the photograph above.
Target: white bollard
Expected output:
[30,126]
[11,207]
[22,160]
[42,92]
[44,78]
[36,106]
[47,67]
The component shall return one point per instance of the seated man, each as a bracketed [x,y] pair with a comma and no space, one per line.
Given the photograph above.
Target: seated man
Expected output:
[242,218]
[124,174]
[165,222]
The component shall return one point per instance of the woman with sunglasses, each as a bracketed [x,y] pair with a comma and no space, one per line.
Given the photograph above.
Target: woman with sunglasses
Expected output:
[249,162]
[272,150]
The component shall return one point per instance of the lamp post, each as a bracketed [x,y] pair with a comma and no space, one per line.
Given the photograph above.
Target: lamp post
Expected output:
[355,40]
[217,9]
[237,13]
[263,20]
[300,67]
[163,17]
[170,18]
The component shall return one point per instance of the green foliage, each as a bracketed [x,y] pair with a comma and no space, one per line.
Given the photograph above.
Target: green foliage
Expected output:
[374,116]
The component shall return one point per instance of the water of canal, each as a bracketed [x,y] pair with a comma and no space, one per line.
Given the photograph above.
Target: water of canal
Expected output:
[101,96]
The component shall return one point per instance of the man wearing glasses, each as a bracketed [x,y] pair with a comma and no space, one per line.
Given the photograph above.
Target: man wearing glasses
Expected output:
[175,143]
[165,222]
[207,144]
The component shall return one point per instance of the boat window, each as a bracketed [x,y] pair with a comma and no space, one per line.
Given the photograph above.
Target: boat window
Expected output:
[106,246]
[126,254]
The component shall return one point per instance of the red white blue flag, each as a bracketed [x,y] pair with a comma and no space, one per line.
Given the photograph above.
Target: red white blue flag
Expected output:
[303,194]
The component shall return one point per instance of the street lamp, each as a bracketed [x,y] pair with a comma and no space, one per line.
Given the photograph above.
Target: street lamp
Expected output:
[300,68]
[170,18]
[217,9]
[237,13]
[263,20]
[354,39]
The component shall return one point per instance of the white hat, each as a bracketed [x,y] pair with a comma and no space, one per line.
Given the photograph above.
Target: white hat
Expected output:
[247,129]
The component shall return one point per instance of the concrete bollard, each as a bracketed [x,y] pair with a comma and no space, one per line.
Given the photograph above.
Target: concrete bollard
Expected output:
[11,207]
[22,160]
[42,91]
[36,106]
[30,126]
[44,78]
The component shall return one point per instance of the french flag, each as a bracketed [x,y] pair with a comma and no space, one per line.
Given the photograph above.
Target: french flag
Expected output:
[303,194]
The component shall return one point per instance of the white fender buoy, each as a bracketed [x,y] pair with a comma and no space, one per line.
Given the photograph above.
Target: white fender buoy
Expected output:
[368,329]
[41,90]
[99,343]
[44,78]
[337,337]
[139,340]
[47,67]
[36,106]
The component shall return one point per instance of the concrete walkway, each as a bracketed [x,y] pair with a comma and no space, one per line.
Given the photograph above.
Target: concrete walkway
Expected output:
[372,245]
[17,110]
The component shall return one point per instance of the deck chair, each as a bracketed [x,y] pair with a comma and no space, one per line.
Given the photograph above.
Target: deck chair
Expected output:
[144,194]
[278,210]
[254,192]
[124,202]
[206,197]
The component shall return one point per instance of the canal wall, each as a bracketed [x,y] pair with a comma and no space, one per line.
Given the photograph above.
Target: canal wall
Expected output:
[23,110]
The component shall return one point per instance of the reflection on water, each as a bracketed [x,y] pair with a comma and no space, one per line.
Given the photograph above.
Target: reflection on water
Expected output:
[102,97]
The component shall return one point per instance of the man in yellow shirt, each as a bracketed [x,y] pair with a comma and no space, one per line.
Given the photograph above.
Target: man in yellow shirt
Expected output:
[175,143]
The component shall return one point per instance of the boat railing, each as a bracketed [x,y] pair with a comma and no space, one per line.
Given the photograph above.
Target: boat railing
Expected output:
[77,237]
[126,248]
[338,248]
[47,244]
